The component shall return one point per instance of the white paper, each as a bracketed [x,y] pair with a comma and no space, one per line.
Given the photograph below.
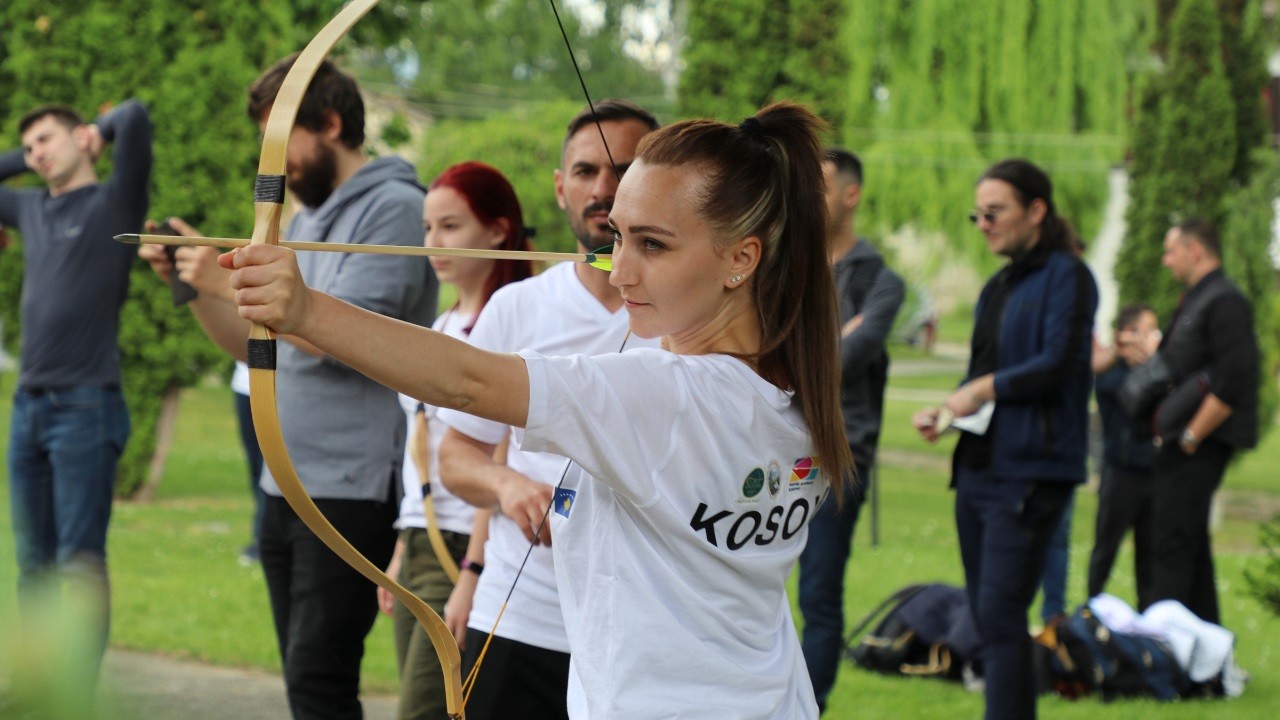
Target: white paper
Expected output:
[978,422]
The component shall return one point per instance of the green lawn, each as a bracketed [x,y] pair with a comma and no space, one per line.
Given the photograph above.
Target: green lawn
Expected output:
[179,590]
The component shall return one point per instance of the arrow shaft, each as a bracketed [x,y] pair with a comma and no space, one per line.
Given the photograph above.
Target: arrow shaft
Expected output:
[410,250]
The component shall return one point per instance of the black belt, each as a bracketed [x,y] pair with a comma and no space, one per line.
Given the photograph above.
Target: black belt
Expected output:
[38,390]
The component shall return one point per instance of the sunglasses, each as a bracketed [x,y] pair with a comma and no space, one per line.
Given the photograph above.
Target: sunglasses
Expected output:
[989,215]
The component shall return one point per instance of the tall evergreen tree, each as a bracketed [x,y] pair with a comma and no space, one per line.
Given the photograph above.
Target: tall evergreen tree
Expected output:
[742,54]
[1198,150]
[1185,150]
[721,79]
[462,58]
[190,62]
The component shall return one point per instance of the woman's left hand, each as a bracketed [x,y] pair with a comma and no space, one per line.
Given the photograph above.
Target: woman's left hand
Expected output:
[268,287]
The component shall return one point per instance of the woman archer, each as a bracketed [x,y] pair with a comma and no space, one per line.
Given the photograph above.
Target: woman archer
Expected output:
[697,466]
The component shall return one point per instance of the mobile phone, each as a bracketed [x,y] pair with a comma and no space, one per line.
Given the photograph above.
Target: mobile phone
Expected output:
[181,292]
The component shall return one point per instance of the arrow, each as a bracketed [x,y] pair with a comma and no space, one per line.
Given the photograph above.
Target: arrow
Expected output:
[603,262]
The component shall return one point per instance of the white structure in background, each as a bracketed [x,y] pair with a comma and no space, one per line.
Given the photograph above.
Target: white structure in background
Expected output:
[1105,249]
[1275,233]
[6,360]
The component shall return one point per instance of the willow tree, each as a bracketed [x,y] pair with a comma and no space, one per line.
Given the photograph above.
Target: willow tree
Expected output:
[939,89]
[190,63]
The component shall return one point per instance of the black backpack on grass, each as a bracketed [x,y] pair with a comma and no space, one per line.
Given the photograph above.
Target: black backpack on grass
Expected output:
[925,631]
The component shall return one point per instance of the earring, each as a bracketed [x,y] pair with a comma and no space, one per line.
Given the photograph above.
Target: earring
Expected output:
[736,279]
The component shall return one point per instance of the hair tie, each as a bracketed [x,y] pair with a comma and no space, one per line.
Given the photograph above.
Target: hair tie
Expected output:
[530,232]
[753,128]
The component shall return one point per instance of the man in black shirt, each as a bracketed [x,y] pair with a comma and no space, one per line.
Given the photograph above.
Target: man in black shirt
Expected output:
[870,295]
[1211,354]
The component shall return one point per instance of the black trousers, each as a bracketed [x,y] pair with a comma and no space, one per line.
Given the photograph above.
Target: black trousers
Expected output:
[1124,502]
[1004,528]
[322,608]
[516,680]
[1182,566]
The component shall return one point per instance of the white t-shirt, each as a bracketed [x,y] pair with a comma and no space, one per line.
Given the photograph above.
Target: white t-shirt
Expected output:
[674,534]
[453,514]
[553,313]
[240,379]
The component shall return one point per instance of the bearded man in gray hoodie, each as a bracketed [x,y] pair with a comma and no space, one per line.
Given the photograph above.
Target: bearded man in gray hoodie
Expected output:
[345,432]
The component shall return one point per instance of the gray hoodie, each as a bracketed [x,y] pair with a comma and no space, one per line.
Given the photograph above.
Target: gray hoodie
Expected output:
[346,433]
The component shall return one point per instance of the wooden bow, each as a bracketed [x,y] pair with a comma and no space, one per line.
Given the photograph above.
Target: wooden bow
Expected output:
[268,208]
[420,452]
[268,195]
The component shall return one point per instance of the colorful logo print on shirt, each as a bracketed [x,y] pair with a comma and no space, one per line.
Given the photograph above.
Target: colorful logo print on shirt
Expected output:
[564,501]
[804,473]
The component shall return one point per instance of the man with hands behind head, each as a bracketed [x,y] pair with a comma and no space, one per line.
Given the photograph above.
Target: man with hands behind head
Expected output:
[69,422]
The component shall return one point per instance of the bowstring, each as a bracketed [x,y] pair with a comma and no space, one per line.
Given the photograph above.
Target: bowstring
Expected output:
[583,83]
[468,685]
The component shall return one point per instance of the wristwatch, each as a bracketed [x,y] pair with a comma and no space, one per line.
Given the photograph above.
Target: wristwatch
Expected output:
[1188,438]
[474,567]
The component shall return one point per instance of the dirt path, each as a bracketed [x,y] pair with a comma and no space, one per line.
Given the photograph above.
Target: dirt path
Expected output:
[138,685]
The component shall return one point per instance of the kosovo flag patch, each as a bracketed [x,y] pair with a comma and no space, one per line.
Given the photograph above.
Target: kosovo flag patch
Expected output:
[563,503]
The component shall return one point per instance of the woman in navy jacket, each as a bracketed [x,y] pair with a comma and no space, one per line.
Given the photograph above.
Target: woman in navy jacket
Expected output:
[1029,355]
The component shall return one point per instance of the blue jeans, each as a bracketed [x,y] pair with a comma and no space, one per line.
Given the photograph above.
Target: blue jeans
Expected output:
[63,448]
[1053,587]
[822,570]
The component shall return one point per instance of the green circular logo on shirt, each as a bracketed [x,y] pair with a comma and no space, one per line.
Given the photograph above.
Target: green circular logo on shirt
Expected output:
[754,483]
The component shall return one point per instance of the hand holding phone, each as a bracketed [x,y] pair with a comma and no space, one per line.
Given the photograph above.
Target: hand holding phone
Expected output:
[181,292]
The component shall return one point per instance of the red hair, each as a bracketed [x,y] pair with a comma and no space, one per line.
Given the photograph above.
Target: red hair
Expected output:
[491,198]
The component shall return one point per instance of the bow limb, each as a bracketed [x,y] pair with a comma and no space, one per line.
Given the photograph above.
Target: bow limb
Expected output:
[420,452]
[268,206]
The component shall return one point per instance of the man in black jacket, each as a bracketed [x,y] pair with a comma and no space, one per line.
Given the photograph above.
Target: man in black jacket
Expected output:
[1029,358]
[870,296]
[1211,356]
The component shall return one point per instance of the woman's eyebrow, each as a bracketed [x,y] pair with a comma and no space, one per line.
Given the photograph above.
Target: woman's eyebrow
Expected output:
[644,229]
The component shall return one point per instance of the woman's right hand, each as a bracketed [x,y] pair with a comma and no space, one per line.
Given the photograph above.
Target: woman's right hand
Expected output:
[387,601]
[458,608]
[268,287]
[525,502]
